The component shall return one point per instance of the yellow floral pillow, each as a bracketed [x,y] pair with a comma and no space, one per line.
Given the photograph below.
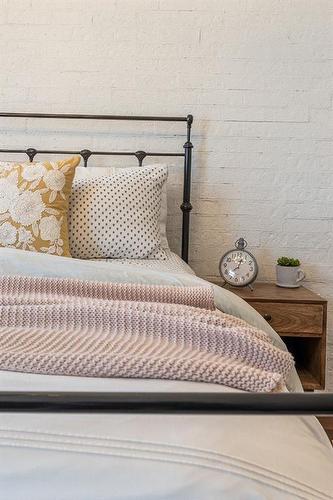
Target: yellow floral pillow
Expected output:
[34,205]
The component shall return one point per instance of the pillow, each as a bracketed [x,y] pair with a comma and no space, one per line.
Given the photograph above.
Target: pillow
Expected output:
[34,205]
[118,217]
[89,172]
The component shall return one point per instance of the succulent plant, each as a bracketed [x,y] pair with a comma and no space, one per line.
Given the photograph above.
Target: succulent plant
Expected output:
[288,262]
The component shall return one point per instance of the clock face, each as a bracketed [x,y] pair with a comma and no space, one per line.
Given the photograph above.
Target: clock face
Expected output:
[238,267]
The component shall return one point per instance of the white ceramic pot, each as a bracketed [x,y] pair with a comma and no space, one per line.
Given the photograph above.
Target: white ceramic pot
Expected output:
[289,277]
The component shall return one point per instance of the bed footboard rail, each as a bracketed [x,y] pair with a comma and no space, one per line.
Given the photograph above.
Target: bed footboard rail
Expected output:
[168,403]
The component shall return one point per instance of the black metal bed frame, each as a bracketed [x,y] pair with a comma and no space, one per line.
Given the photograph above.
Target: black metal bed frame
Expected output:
[186,206]
[168,403]
[175,403]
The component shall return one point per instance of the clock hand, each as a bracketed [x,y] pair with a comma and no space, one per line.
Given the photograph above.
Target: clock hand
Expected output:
[239,263]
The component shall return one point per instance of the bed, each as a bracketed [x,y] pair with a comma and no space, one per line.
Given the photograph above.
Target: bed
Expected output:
[91,455]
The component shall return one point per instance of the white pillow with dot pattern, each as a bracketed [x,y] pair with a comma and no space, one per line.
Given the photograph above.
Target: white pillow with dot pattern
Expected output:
[118,217]
[98,171]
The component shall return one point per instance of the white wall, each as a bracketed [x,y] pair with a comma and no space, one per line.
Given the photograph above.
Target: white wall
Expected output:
[256,74]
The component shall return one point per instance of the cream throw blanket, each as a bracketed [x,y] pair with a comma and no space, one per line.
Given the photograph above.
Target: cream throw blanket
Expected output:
[94,329]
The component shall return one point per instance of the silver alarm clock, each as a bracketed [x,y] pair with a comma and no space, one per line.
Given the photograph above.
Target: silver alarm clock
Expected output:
[238,267]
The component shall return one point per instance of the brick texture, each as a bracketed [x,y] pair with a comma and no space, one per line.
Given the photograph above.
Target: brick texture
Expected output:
[256,74]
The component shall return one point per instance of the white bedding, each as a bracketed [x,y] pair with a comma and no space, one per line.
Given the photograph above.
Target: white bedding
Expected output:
[172,263]
[149,457]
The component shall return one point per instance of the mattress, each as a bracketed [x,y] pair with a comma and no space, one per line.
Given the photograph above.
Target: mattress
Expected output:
[90,456]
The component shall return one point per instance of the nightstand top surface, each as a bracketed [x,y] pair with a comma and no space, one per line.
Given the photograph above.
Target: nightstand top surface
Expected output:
[269,292]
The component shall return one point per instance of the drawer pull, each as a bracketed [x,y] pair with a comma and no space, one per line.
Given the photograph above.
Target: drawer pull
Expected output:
[268,317]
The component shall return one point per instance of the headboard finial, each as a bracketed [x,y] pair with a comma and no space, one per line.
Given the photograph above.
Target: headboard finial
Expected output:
[31,152]
[85,153]
[141,155]
[189,119]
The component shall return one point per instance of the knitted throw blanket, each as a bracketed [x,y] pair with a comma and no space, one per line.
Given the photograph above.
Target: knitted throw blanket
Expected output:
[72,327]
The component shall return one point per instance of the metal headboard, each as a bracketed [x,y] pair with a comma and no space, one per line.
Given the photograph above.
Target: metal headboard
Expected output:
[186,206]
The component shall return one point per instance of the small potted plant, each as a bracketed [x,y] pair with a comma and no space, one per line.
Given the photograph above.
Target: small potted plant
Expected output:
[288,273]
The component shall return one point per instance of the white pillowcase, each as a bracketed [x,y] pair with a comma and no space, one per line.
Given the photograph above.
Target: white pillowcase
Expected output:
[92,172]
[117,216]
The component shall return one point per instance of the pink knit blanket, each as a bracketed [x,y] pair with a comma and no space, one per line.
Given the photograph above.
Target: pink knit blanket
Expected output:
[92,329]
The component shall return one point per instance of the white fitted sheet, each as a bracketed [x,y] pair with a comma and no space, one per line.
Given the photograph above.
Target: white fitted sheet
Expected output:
[173,263]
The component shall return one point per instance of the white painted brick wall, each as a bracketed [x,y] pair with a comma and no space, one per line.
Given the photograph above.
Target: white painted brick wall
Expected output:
[256,74]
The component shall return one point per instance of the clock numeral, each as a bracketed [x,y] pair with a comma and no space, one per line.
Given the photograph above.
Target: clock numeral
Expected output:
[228,259]
[225,264]
[251,268]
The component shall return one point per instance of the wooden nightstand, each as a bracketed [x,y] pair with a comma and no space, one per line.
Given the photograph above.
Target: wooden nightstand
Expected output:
[299,316]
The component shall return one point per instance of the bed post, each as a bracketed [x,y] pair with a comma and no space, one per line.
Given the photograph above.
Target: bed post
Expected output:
[186,206]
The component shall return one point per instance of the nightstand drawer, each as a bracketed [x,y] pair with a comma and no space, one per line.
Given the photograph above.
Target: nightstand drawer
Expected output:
[288,318]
